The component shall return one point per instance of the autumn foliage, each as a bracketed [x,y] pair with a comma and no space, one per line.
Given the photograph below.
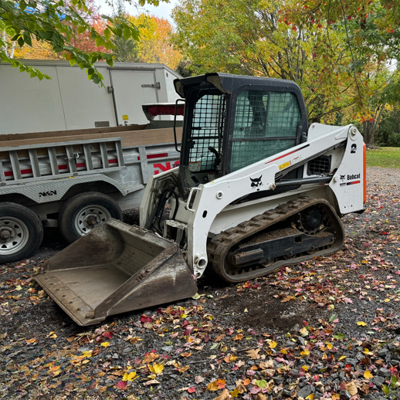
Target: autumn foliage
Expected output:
[83,41]
[337,51]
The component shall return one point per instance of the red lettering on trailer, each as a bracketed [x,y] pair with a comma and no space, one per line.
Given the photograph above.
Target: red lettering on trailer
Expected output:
[159,167]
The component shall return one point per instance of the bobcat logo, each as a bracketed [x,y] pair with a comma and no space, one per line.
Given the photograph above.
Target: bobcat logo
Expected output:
[342,177]
[256,182]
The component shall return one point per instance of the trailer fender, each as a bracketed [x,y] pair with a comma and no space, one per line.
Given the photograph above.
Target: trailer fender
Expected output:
[54,190]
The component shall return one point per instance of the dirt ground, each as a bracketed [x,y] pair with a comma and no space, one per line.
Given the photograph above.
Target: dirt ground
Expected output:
[328,328]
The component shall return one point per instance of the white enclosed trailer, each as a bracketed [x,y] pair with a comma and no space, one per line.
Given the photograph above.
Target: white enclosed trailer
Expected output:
[70,101]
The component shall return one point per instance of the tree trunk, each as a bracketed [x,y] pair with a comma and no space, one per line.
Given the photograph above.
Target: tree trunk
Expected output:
[370,127]
[368,132]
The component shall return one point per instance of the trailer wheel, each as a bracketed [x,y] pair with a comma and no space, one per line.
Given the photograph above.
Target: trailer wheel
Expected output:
[83,212]
[21,232]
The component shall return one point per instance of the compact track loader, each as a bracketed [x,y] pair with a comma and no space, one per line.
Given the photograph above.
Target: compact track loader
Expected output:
[256,188]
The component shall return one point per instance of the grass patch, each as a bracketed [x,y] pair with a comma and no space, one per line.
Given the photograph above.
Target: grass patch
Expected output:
[385,157]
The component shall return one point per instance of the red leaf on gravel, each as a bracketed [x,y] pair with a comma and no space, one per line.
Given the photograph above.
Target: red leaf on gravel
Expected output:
[122,384]
[108,335]
[191,389]
[221,383]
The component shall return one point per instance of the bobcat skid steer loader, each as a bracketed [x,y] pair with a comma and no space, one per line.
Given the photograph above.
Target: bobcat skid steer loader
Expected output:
[256,188]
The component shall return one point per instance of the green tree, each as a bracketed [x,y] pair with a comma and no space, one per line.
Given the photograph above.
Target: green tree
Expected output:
[251,37]
[290,40]
[125,48]
[373,39]
[58,23]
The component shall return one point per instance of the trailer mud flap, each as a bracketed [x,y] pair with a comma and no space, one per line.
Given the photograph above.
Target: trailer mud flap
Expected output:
[114,269]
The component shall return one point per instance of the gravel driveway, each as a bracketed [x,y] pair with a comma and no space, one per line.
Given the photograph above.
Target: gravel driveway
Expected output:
[327,328]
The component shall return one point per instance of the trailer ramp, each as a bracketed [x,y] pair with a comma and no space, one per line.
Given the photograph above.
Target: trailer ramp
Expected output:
[114,269]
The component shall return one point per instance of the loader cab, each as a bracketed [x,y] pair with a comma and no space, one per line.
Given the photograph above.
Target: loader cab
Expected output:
[235,121]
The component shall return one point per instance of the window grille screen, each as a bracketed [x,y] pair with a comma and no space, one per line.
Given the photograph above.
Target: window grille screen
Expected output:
[319,166]
[207,127]
[265,124]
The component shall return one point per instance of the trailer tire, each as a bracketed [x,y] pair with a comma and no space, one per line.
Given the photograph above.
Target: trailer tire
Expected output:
[21,232]
[83,212]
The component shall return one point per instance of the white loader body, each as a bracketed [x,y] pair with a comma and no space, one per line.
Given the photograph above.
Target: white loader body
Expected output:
[209,210]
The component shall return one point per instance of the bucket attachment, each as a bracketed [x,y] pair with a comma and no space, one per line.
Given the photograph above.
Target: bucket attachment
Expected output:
[113,269]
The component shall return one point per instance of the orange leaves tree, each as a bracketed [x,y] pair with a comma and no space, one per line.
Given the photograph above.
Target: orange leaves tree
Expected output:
[83,41]
[154,45]
[155,41]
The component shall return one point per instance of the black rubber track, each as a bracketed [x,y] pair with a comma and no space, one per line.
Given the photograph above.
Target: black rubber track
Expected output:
[219,247]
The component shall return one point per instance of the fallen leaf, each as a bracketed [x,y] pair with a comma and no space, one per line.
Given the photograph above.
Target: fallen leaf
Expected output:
[105,344]
[268,373]
[192,389]
[122,384]
[225,395]
[183,369]
[220,337]
[253,354]
[156,368]
[212,386]
[151,382]
[303,331]
[221,383]
[262,383]
[108,335]
[361,323]
[272,344]
[368,375]
[129,376]
[149,357]
[199,379]
[229,358]
[351,388]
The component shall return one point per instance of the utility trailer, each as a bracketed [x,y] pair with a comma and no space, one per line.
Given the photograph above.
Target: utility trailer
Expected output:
[74,180]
